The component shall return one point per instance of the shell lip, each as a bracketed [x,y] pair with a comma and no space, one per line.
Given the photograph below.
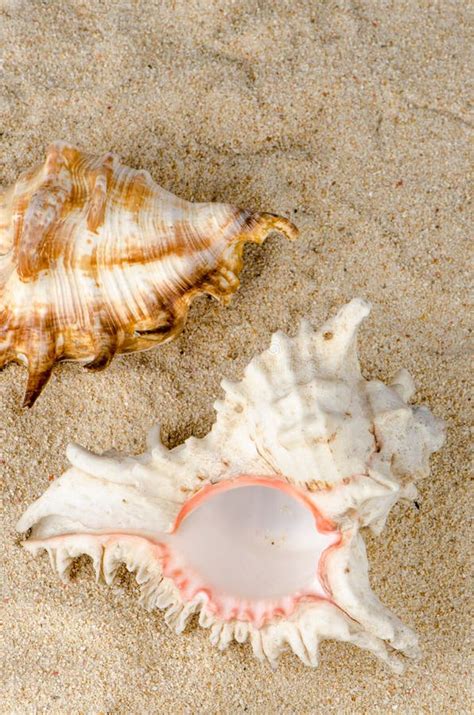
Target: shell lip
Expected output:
[323,523]
[257,610]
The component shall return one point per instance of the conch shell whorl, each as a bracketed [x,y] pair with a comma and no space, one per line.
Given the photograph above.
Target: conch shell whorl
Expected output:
[97,259]
[258,526]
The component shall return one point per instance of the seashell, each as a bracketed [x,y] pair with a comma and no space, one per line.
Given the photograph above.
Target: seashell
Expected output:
[96,259]
[257,526]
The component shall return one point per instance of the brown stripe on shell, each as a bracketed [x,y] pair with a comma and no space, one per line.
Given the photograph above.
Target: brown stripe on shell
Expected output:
[103,261]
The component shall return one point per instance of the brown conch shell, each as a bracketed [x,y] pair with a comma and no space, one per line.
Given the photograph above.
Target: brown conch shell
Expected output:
[97,259]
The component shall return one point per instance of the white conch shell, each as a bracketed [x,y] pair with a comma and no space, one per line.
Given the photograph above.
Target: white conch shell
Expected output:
[304,421]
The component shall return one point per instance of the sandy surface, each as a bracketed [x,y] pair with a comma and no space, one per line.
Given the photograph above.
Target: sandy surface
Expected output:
[352,119]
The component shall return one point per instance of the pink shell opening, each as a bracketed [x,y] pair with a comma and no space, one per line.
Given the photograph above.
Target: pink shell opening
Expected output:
[254,547]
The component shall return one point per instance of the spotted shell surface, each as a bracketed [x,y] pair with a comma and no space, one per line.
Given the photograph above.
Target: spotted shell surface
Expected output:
[97,259]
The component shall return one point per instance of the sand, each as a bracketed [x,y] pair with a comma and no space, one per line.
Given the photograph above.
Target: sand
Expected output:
[352,119]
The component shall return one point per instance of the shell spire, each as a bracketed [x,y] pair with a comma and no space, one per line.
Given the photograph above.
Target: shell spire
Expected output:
[257,526]
[96,259]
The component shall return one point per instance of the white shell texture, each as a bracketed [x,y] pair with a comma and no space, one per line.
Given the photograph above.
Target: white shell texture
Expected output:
[302,416]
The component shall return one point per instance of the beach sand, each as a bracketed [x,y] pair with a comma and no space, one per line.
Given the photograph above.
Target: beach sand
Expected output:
[350,118]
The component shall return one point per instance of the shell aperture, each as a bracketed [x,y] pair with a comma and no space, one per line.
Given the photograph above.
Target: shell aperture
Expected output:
[256,545]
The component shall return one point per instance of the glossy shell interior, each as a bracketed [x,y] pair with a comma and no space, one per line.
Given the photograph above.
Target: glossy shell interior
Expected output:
[255,545]
[97,259]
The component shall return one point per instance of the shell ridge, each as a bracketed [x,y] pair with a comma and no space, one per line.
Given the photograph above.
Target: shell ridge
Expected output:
[43,213]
